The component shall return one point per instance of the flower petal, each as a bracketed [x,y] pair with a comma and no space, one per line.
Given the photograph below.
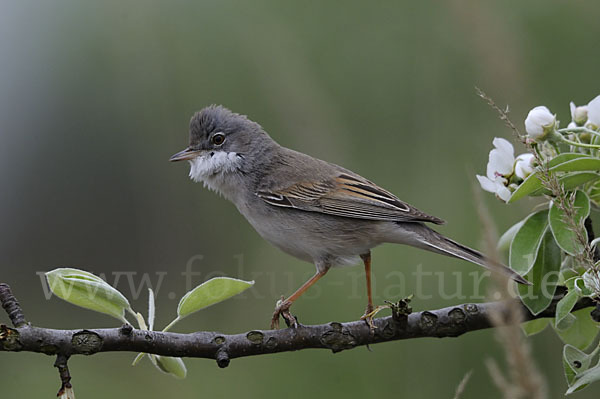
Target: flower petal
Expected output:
[593,111]
[500,163]
[503,193]
[504,146]
[486,184]
[524,165]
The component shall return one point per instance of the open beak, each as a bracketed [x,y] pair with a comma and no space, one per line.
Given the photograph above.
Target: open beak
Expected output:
[185,155]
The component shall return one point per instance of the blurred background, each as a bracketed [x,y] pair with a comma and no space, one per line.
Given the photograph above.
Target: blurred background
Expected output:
[95,97]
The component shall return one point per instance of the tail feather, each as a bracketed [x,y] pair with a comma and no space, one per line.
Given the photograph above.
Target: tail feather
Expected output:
[435,242]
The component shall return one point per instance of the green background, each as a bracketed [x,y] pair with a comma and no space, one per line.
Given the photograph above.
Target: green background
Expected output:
[96,95]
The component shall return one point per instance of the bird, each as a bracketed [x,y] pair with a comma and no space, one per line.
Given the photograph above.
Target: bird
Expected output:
[311,209]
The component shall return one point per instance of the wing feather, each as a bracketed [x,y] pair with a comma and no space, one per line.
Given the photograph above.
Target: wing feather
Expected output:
[347,196]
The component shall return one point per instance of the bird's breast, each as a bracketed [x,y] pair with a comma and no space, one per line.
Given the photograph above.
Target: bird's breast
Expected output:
[312,236]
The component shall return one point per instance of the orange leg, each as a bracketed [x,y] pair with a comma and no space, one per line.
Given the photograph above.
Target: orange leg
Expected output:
[283,306]
[367,261]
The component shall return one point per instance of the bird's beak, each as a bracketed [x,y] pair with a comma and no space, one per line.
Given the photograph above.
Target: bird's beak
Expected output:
[185,155]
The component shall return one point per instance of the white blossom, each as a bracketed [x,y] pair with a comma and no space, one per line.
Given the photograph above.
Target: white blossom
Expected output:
[593,112]
[496,186]
[500,165]
[524,165]
[539,122]
[501,158]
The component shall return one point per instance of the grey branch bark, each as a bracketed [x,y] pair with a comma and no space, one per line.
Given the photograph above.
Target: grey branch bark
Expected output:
[446,322]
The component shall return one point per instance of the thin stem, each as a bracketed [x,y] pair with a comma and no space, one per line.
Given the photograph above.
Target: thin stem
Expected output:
[578,130]
[576,144]
[171,324]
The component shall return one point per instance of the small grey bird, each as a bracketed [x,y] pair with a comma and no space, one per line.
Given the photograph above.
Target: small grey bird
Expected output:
[311,209]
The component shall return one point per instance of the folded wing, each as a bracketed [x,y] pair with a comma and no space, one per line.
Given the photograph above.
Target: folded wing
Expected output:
[346,195]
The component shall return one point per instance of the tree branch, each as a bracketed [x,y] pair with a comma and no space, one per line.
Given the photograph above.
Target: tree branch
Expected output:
[447,322]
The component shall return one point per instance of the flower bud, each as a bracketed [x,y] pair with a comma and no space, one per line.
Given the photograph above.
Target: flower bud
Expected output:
[539,122]
[579,115]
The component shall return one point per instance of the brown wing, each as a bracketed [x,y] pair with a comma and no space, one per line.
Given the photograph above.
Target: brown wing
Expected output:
[348,196]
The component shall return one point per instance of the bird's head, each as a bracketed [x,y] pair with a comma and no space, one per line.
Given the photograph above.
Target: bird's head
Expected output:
[221,142]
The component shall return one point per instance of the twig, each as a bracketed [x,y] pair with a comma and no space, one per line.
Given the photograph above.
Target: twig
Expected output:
[447,322]
[65,376]
[11,306]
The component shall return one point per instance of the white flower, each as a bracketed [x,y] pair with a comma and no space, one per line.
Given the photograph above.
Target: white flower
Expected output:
[578,115]
[496,186]
[502,158]
[501,164]
[524,165]
[593,112]
[539,122]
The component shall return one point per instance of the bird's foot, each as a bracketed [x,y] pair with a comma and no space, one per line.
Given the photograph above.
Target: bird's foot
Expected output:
[370,314]
[400,311]
[283,309]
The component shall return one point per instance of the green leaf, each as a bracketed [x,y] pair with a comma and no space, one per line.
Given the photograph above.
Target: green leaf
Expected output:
[531,184]
[565,157]
[567,162]
[141,322]
[171,365]
[565,237]
[570,181]
[566,323]
[143,326]
[583,331]
[543,276]
[507,238]
[573,180]
[210,292]
[567,275]
[87,290]
[584,379]
[564,307]
[575,362]
[578,165]
[525,245]
[535,326]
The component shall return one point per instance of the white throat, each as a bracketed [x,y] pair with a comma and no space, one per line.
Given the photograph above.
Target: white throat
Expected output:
[213,169]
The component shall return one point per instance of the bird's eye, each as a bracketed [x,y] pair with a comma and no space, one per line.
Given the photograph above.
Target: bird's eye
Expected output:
[218,139]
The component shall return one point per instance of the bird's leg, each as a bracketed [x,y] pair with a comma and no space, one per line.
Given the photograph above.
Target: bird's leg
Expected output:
[367,261]
[283,306]
[369,311]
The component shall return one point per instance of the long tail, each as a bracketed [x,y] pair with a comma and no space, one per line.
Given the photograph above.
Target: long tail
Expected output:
[433,241]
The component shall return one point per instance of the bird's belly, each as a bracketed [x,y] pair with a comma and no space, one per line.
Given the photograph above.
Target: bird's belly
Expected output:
[315,237]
